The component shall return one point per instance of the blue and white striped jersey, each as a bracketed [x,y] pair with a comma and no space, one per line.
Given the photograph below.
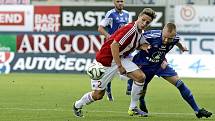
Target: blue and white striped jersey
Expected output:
[114,20]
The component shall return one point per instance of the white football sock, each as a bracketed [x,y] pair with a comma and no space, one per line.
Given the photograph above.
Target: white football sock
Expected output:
[85,100]
[135,94]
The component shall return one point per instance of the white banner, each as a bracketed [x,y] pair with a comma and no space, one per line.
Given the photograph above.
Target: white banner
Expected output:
[15,18]
[197,44]
[196,66]
[193,18]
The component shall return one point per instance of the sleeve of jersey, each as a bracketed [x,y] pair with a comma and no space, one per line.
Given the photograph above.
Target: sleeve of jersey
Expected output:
[106,21]
[146,36]
[143,40]
[177,38]
[123,35]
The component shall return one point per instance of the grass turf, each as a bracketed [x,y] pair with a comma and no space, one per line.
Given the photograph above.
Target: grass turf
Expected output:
[49,97]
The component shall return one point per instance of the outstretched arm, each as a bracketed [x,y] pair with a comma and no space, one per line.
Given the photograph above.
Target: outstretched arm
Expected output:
[181,47]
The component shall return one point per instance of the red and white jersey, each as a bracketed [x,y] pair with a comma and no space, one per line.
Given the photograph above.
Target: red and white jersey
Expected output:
[129,39]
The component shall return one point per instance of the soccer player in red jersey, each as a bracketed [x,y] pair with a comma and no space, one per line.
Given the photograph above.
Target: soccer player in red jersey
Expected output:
[113,55]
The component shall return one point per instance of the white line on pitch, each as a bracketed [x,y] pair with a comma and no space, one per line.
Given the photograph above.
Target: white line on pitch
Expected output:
[61,110]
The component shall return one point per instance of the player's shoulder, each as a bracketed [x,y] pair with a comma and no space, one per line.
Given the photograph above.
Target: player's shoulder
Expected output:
[130,25]
[177,36]
[110,12]
[152,34]
[125,11]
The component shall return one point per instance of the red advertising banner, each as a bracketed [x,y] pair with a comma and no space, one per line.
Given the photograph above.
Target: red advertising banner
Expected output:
[46,18]
[12,18]
[59,43]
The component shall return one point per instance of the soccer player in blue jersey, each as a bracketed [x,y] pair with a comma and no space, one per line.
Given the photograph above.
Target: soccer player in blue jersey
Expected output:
[152,62]
[114,19]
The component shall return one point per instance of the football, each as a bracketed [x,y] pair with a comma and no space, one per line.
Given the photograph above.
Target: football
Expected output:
[96,71]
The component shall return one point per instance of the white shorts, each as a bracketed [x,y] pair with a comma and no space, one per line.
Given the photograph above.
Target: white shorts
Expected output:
[110,73]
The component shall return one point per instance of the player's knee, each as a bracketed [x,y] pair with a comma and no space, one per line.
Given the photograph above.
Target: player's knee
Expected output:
[98,95]
[141,78]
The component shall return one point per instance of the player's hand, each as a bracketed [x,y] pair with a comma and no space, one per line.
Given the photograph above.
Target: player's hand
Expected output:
[164,64]
[183,49]
[122,70]
[145,47]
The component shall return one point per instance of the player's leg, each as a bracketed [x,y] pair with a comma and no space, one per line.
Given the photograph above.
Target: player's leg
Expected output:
[108,92]
[184,90]
[142,103]
[86,99]
[137,87]
[149,76]
[138,76]
[188,96]
[99,90]
[129,86]
[171,76]
[130,81]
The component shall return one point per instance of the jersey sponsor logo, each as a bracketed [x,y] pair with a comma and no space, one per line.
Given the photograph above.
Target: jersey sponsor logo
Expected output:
[12,18]
[5,59]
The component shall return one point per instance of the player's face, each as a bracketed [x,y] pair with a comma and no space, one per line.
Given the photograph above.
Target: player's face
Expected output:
[143,21]
[168,36]
[119,4]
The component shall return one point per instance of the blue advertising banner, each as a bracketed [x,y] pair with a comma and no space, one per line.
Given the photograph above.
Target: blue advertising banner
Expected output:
[51,63]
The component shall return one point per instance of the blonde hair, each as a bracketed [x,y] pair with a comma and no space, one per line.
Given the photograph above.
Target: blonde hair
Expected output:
[149,12]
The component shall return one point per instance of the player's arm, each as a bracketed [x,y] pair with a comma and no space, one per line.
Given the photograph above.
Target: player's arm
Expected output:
[115,53]
[181,47]
[104,23]
[101,30]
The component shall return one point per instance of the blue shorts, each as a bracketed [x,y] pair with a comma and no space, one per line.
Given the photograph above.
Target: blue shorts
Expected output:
[150,72]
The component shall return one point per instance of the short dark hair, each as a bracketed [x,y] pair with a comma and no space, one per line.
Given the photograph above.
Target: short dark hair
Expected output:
[171,27]
[149,12]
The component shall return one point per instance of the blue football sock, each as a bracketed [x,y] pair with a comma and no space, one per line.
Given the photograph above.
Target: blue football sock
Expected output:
[129,84]
[187,95]
[108,89]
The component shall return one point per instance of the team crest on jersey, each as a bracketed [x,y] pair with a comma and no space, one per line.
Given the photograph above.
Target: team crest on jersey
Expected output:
[156,57]
[5,59]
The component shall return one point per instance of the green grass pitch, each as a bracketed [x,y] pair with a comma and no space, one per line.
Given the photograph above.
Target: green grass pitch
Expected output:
[49,97]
